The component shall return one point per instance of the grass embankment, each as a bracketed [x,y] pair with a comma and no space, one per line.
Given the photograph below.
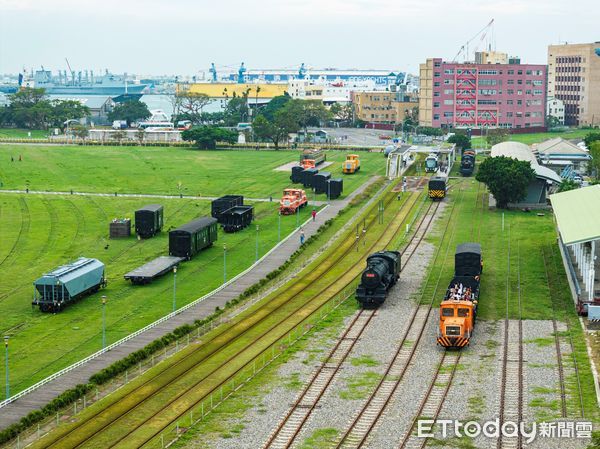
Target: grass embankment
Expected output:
[161,170]
[41,232]
[17,133]
[530,234]
[315,294]
[531,138]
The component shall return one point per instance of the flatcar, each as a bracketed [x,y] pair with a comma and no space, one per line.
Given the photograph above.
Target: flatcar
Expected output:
[431,163]
[149,220]
[66,284]
[458,310]
[312,158]
[382,272]
[191,238]
[467,163]
[437,188]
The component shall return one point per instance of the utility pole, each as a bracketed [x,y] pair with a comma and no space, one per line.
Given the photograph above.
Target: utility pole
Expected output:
[174,289]
[6,367]
[256,243]
[103,321]
[224,263]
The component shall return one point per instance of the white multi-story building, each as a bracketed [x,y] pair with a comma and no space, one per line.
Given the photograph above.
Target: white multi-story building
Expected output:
[555,108]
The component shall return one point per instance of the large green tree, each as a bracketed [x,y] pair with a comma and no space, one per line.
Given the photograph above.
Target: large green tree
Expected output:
[273,106]
[594,163]
[506,178]
[130,111]
[206,137]
[278,129]
[591,138]
[63,110]
[461,140]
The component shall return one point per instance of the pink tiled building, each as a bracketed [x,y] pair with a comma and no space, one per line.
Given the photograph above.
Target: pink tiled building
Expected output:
[466,95]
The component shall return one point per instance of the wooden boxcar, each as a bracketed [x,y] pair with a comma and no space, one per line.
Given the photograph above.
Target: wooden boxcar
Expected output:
[308,176]
[191,238]
[336,187]
[320,181]
[149,220]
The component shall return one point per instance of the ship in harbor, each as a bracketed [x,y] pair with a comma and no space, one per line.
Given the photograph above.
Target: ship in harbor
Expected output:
[84,83]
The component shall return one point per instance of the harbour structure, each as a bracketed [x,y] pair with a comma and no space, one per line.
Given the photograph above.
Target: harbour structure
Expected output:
[574,78]
[83,83]
[469,95]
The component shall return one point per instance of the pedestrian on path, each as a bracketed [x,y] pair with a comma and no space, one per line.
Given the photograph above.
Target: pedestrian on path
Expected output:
[314,214]
[302,237]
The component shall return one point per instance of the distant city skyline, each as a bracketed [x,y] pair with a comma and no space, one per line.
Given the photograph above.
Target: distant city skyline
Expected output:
[184,36]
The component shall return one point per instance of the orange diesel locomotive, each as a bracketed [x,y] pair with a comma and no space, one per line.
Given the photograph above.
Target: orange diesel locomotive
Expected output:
[458,310]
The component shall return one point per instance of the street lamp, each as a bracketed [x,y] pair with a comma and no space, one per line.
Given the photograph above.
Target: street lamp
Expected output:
[279,226]
[224,263]
[256,243]
[6,366]
[174,289]
[103,321]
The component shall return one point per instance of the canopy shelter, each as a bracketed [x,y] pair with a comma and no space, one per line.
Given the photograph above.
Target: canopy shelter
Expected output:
[577,215]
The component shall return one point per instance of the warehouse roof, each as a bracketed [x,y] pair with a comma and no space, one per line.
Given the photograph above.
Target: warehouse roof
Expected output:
[560,148]
[578,214]
[522,152]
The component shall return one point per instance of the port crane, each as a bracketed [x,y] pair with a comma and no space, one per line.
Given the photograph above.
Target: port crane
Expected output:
[464,49]
[213,72]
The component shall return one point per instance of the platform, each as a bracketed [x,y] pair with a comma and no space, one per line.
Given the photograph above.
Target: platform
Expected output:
[153,269]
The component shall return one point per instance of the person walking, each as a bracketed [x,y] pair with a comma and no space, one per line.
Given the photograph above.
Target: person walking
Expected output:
[314,214]
[302,237]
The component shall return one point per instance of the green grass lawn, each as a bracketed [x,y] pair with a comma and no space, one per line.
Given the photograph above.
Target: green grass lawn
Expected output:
[17,133]
[162,170]
[41,232]
[532,138]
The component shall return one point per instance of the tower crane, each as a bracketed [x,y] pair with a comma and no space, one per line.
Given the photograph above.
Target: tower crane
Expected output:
[464,49]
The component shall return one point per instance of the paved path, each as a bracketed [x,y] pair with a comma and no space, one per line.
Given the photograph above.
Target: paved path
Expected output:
[141,195]
[36,399]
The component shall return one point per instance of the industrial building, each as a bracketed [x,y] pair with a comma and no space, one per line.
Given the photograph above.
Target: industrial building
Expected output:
[559,154]
[574,78]
[383,107]
[469,95]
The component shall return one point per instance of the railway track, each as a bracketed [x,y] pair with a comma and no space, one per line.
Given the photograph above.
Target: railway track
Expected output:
[293,422]
[368,416]
[81,433]
[511,387]
[432,403]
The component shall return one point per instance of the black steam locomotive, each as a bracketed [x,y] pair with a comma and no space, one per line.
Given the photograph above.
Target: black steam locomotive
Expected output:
[382,272]
[467,163]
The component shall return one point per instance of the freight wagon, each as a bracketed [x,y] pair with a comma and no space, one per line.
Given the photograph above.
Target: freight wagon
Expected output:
[66,284]
[236,218]
[225,202]
[312,158]
[296,175]
[320,181]
[336,187]
[149,220]
[191,238]
[308,176]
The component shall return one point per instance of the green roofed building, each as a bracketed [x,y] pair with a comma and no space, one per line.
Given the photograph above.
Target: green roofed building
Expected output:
[577,215]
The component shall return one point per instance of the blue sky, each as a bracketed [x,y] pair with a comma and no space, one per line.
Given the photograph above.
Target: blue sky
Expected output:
[185,36]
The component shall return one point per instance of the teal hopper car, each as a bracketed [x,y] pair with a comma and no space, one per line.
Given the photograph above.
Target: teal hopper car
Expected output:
[66,284]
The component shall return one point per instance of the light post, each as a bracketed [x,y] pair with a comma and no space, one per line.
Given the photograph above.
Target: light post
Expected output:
[256,243]
[103,321]
[279,226]
[224,263]
[174,289]
[298,217]
[6,366]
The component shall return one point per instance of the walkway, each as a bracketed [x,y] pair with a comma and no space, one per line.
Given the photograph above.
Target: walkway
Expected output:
[39,397]
[142,195]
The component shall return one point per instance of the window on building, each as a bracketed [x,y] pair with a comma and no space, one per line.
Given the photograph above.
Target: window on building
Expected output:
[511,72]
[436,94]
[436,84]
[436,104]
[449,82]
[449,71]
[510,92]
[509,102]
[437,64]
[519,102]
[538,92]
[437,74]
[448,114]
[519,81]
[448,91]
[448,102]
[509,114]
[519,92]
[511,82]
[436,116]
[520,72]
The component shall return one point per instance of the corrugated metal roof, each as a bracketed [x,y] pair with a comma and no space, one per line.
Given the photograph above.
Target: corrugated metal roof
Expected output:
[522,152]
[577,213]
[196,224]
[70,271]
[560,147]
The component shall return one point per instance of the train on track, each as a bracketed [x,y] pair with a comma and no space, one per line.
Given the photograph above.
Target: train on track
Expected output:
[437,188]
[458,310]
[467,163]
[382,272]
